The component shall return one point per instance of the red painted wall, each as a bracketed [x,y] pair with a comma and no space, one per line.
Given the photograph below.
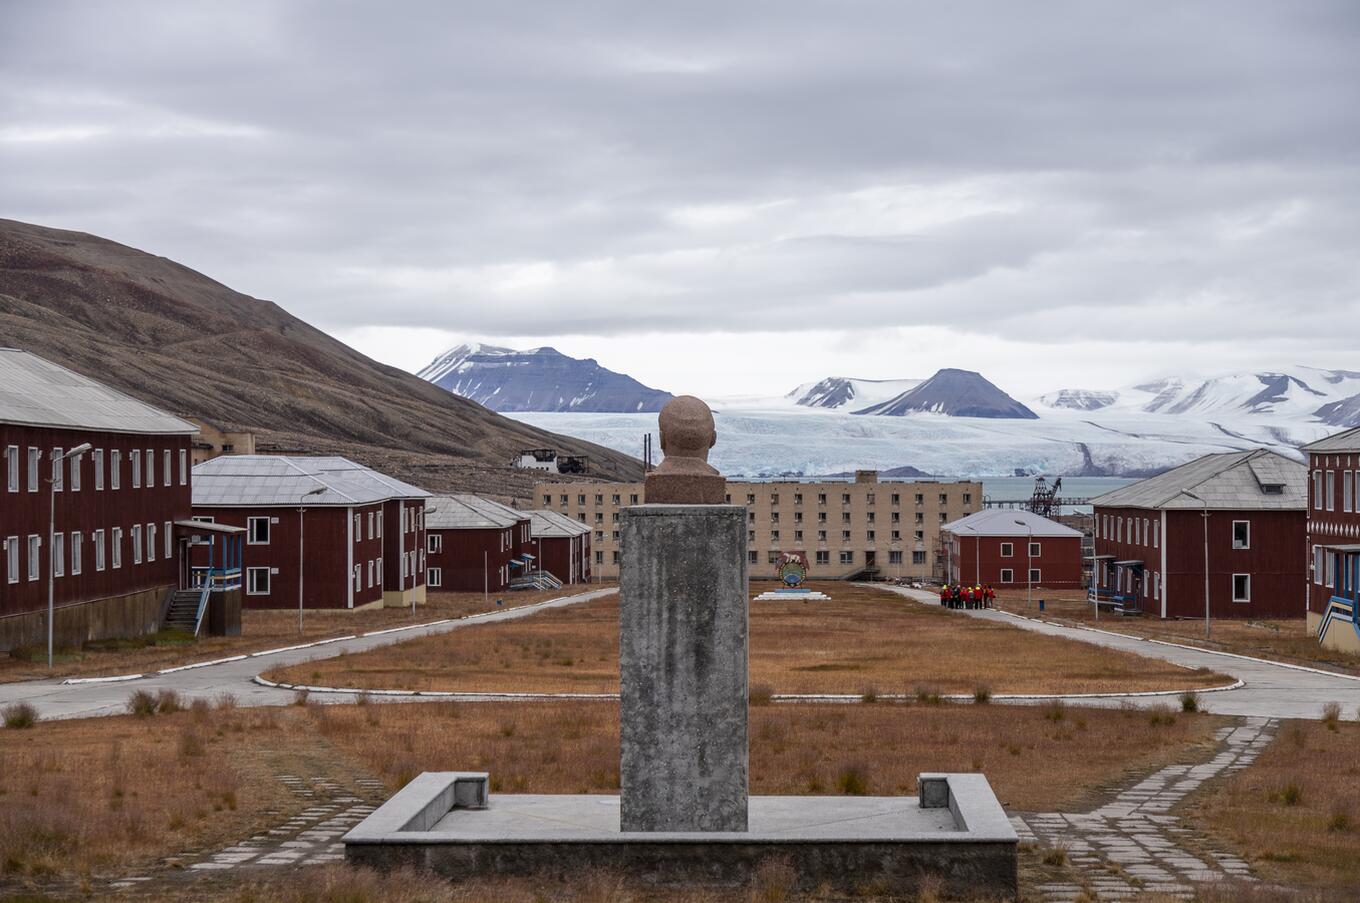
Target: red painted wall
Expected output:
[1058,561]
[461,563]
[87,510]
[404,539]
[1333,519]
[328,534]
[1275,560]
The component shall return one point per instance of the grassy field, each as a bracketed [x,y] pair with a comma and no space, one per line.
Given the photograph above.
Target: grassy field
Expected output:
[1283,640]
[1295,813]
[864,640]
[259,630]
[107,796]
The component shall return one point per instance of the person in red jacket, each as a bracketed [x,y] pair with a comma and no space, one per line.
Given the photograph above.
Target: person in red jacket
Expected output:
[944,595]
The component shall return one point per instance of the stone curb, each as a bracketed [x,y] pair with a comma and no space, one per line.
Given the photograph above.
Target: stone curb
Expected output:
[312,645]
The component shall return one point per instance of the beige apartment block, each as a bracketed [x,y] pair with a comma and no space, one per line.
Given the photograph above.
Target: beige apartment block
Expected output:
[212,441]
[860,528]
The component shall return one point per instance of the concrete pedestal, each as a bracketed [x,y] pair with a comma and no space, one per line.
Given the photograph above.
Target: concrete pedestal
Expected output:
[683,680]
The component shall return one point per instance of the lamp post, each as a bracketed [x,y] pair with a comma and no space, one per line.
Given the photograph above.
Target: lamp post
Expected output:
[58,464]
[301,561]
[1029,563]
[1188,494]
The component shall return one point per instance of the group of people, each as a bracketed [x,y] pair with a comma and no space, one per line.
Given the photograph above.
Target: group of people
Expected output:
[957,595]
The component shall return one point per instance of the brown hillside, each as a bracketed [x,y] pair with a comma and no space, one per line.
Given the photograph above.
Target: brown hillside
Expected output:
[177,339]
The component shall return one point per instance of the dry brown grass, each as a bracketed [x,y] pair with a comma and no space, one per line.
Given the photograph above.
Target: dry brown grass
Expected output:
[1295,813]
[863,641]
[103,796]
[260,630]
[1284,639]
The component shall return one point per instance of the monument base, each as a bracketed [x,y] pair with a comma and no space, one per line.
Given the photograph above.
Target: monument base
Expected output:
[955,838]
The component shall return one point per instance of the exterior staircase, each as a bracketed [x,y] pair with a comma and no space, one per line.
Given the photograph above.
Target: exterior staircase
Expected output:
[185,610]
[536,580]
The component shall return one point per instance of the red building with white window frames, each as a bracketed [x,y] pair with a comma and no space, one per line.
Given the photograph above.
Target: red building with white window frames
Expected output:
[1333,582]
[114,507]
[562,546]
[349,536]
[475,544]
[990,547]
[1150,538]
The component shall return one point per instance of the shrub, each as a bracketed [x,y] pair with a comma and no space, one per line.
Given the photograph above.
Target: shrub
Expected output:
[1340,822]
[225,701]
[200,707]
[1055,856]
[928,695]
[869,695]
[761,694]
[190,744]
[1331,715]
[301,697]
[853,780]
[1161,715]
[1190,702]
[982,695]
[141,703]
[1055,711]
[1291,794]
[20,715]
[167,702]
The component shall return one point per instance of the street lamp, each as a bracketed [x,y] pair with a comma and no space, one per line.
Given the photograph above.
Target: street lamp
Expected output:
[58,464]
[1187,493]
[1029,562]
[301,550]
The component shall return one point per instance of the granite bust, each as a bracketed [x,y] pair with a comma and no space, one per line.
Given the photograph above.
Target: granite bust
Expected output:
[684,476]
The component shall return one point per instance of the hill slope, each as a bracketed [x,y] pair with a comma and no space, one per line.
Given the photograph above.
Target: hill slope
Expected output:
[540,379]
[175,338]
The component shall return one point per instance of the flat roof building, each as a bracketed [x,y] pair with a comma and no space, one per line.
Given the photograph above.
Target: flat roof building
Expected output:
[344,535]
[1008,548]
[1150,538]
[113,554]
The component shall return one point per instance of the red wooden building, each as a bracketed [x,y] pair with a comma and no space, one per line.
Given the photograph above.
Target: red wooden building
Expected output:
[360,533]
[1333,585]
[562,546]
[112,552]
[1007,548]
[1150,538]
[476,544]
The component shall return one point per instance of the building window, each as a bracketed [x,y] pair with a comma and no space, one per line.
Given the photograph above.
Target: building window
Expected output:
[1007,575]
[434,577]
[944,499]
[34,468]
[920,517]
[894,558]
[845,517]
[58,555]
[98,541]
[774,535]
[547,501]
[1241,535]
[1241,587]
[821,498]
[257,531]
[57,482]
[823,557]
[616,558]
[135,464]
[771,557]
[12,559]
[918,557]
[380,514]
[434,543]
[257,581]
[167,474]
[1007,549]
[115,469]
[870,535]
[136,543]
[34,554]
[845,498]
[150,469]
[1330,491]
[12,468]
[1034,575]
[169,540]
[845,536]
[150,542]
[750,498]
[183,467]
[968,498]
[75,471]
[1035,550]
[599,557]
[798,498]
[847,557]
[98,469]
[358,578]
[1156,534]
[77,553]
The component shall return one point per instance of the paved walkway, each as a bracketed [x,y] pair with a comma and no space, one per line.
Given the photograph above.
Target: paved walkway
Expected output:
[1270,689]
[1133,844]
[54,699]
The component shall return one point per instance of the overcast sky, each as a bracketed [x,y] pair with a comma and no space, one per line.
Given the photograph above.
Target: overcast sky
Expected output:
[726,198]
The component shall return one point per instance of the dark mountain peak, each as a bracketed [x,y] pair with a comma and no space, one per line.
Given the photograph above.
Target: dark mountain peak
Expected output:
[956,393]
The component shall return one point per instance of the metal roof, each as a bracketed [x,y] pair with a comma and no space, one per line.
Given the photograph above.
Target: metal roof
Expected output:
[492,507]
[463,512]
[36,392]
[1344,441]
[548,524]
[270,480]
[1002,522]
[1229,481]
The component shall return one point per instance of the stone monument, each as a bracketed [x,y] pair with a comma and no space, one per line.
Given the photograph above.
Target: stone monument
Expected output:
[682,641]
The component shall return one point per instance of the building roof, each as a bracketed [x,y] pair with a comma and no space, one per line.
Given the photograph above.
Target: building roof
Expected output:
[493,507]
[1002,522]
[467,512]
[548,524]
[272,480]
[1344,441]
[36,392]
[1229,481]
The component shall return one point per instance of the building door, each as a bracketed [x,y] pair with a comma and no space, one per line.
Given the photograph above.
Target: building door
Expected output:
[870,559]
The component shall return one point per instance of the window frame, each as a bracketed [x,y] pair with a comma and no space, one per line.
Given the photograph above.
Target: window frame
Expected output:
[250,530]
[1008,575]
[252,585]
[1245,546]
[1241,600]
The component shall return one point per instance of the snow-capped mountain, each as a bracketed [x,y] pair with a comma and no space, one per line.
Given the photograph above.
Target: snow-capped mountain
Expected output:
[539,379]
[837,392]
[1298,393]
[956,393]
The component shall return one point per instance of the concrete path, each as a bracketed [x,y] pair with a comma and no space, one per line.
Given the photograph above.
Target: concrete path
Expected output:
[1270,689]
[54,699]
[1133,843]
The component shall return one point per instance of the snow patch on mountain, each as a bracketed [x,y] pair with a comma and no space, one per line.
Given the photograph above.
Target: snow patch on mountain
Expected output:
[837,392]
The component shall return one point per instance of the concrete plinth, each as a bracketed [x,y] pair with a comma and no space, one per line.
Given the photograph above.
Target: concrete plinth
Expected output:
[683,680]
[955,838]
